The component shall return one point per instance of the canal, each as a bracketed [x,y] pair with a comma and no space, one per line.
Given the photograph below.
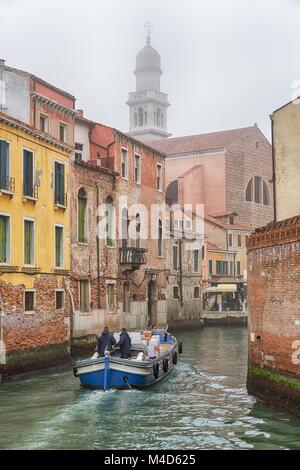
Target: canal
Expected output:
[202,405]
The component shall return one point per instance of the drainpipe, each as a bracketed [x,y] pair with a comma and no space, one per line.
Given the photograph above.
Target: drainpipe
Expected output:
[180,273]
[274,172]
[98,250]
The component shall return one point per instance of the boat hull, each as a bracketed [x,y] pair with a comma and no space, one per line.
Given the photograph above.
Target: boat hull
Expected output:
[116,373]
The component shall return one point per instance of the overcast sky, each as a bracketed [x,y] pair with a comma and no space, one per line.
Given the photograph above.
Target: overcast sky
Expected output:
[227,63]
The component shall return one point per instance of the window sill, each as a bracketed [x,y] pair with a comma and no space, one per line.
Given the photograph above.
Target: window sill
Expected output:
[33,312]
[30,269]
[29,199]
[60,206]
[61,271]
[138,183]
[125,179]
[5,192]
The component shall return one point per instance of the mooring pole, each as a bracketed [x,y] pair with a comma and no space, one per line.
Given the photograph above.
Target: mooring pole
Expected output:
[106,371]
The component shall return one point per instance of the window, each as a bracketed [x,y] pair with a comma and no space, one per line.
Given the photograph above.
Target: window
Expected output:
[44,123]
[84,296]
[196,261]
[257,189]
[197,292]
[175,258]
[239,240]
[203,252]
[238,268]
[125,226]
[29,300]
[210,266]
[225,268]
[138,231]
[59,190]
[188,224]
[141,116]
[176,292]
[63,132]
[230,239]
[222,268]
[59,246]
[124,169]
[110,216]
[4,165]
[137,169]
[249,191]
[160,239]
[110,296]
[159,177]
[28,189]
[266,194]
[231,220]
[78,152]
[146,118]
[28,242]
[59,299]
[231,268]
[82,216]
[4,239]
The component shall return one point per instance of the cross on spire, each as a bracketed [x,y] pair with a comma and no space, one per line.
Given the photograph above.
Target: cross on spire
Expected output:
[149,27]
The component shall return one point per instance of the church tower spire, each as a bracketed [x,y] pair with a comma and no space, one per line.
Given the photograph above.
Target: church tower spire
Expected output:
[148,106]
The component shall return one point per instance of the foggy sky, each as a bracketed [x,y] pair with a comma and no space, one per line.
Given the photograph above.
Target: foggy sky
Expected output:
[227,63]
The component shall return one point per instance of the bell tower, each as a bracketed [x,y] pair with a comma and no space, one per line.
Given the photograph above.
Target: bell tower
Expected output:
[148,106]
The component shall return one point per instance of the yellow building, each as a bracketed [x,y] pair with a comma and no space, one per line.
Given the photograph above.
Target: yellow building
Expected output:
[34,243]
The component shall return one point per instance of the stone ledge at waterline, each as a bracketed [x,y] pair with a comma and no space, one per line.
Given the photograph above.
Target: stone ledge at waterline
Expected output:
[274,389]
[225,318]
[31,360]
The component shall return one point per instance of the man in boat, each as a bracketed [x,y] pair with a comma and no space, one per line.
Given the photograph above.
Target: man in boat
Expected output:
[124,344]
[105,341]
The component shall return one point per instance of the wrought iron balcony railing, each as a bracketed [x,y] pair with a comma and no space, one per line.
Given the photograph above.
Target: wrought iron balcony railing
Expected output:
[7,184]
[133,256]
[61,200]
[31,193]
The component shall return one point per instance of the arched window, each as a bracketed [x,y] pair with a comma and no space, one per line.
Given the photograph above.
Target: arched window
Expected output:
[158,117]
[249,191]
[266,194]
[160,239]
[138,230]
[82,216]
[141,117]
[146,118]
[125,226]
[110,221]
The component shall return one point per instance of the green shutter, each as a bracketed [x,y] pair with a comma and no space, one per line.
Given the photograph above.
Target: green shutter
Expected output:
[27,242]
[4,173]
[28,173]
[59,183]
[81,220]
[3,239]
[58,246]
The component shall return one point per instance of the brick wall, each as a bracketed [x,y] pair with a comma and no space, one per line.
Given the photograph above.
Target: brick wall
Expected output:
[243,161]
[274,296]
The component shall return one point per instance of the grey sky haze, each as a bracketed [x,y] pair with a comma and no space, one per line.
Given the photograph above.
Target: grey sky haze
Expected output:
[227,63]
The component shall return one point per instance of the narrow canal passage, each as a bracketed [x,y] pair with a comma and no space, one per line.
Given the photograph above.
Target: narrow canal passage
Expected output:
[202,405]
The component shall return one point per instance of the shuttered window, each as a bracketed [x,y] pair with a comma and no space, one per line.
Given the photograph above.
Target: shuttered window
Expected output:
[110,296]
[27,173]
[238,268]
[59,248]
[4,164]
[4,239]
[210,266]
[59,183]
[84,296]
[82,216]
[175,258]
[196,261]
[28,242]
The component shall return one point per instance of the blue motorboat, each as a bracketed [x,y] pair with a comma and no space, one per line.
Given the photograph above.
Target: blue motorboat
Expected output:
[113,372]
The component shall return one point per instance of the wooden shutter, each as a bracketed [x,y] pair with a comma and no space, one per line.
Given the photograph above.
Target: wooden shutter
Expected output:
[3,239]
[28,173]
[27,242]
[58,246]
[81,220]
[3,164]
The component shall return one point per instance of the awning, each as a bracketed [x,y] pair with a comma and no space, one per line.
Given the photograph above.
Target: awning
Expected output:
[222,288]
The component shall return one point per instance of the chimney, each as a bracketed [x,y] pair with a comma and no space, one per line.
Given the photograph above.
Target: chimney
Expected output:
[80,113]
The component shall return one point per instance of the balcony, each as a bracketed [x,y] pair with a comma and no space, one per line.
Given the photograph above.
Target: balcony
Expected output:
[32,194]
[7,186]
[132,258]
[61,201]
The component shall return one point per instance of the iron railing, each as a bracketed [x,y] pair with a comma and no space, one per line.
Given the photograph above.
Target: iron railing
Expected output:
[133,256]
[7,184]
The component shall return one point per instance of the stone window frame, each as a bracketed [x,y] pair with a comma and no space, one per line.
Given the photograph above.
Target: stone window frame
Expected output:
[29,312]
[65,126]
[177,257]
[63,246]
[84,312]
[63,299]
[126,177]
[86,222]
[47,120]
[263,192]
[139,180]
[29,219]
[111,284]
[159,177]
[9,245]
[24,188]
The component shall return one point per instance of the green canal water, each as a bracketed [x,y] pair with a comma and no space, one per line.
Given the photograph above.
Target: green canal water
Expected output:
[203,404]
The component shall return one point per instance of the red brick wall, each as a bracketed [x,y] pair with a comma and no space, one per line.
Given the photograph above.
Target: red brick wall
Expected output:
[274,299]
[243,161]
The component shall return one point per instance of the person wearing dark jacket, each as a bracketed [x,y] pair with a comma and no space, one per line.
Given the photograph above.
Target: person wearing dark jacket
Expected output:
[106,340]
[125,344]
